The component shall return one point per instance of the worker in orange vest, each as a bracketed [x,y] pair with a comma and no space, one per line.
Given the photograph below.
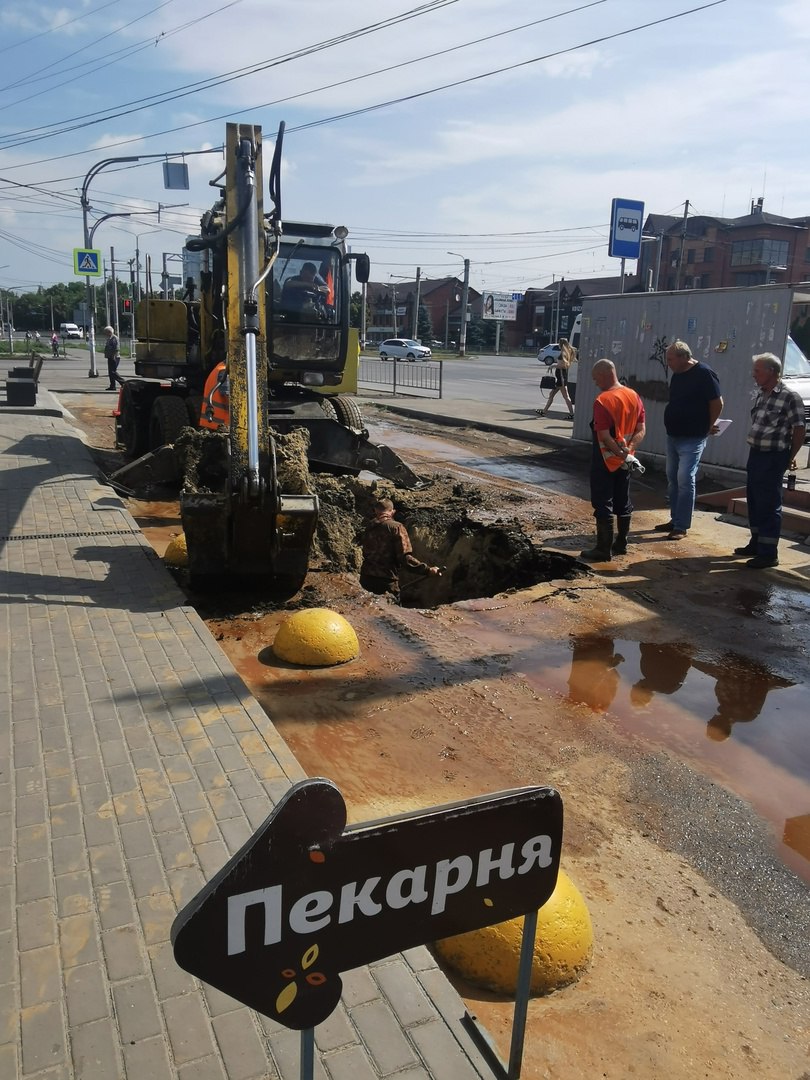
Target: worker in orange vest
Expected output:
[215,413]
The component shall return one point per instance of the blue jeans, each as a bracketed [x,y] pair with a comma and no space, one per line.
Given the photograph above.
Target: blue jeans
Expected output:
[683,457]
[764,494]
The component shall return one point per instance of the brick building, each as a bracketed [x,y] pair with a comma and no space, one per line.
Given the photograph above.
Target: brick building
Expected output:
[546,314]
[713,252]
[440,297]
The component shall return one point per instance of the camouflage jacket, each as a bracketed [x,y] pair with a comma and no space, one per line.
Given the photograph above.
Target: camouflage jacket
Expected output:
[387,550]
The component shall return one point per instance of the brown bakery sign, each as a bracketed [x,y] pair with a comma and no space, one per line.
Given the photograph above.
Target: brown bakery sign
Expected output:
[308,897]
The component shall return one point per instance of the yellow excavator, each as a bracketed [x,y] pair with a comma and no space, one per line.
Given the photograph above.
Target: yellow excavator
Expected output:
[264,321]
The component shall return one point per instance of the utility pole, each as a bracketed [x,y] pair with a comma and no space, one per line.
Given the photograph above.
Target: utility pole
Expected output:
[114,320]
[683,242]
[658,247]
[394,306]
[465,296]
[106,296]
[557,313]
[414,335]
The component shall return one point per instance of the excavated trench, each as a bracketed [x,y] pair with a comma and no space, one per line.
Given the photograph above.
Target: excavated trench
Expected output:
[451,524]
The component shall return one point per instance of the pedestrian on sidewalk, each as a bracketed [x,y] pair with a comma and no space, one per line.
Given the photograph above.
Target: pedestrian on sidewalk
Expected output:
[387,549]
[113,355]
[690,416]
[618,427]
[777,433]
[567,357]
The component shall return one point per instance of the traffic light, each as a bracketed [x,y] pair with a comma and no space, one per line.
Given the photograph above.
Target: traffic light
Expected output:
[127,307]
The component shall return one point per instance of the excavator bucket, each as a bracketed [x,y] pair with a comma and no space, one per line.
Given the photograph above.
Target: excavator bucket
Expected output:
[263,545]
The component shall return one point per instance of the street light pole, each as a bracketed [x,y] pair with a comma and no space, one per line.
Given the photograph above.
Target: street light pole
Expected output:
[91,333]
[415,334]
[465,293]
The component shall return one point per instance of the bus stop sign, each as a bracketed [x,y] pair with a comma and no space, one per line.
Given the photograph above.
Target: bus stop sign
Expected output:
[626,221]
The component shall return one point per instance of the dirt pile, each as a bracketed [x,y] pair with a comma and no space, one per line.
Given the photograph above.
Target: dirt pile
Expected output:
[458,526]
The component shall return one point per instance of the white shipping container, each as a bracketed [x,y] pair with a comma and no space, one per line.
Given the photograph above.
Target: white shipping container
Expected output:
[723,327]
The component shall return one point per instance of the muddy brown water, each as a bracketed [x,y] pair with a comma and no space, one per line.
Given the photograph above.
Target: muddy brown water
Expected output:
[735,720]
[700,965]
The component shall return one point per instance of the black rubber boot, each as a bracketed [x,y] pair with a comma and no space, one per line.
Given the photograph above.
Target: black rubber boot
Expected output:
[750,548]
[604,542]
[623,528]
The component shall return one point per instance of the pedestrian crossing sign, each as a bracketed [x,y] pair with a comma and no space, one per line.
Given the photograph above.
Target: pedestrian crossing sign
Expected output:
[87,262]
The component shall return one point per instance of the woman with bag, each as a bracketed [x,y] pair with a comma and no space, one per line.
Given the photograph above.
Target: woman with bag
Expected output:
[567,357]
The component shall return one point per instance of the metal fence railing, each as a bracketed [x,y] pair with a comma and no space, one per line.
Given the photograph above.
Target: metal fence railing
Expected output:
[416,379]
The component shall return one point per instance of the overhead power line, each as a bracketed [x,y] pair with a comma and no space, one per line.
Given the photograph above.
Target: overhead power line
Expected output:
[399,100]
[100,116]
[61,26]
[97,65]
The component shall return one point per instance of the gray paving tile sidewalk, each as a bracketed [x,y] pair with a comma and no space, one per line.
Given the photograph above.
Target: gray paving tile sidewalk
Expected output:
[133,762]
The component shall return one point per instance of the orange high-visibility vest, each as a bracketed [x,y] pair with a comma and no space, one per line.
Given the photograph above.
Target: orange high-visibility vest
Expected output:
[624,407]
[330,296]
[216,409]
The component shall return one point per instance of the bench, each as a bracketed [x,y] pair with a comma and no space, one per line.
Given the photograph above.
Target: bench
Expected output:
[22,382]
[33,370]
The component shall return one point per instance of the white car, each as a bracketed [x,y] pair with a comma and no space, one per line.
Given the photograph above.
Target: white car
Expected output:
[69,330]
[404,349]
[550,354]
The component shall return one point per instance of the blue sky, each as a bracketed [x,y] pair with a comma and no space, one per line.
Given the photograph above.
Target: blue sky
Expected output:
[514,170]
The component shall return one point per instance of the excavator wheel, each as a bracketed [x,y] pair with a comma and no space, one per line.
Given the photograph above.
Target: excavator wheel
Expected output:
[169,417]
[348,412]
[193,409]
[132,434]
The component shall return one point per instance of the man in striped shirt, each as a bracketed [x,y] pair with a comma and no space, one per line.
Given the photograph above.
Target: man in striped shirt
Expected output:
[776,435]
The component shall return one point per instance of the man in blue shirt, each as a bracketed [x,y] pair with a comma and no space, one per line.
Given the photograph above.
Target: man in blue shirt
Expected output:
[691,413]
[777,433]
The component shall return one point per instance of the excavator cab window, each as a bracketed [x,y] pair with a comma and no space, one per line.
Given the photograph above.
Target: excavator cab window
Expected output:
[305,279]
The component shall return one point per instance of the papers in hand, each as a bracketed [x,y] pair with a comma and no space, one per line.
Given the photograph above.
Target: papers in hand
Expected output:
[721,426]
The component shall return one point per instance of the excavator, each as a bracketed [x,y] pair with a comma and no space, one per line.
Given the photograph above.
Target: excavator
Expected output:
[264,326]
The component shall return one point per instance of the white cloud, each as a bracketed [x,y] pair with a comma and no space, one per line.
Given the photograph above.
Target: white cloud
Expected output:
[697,109]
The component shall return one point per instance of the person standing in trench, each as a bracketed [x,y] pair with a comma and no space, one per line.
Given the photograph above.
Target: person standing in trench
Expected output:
[387,550]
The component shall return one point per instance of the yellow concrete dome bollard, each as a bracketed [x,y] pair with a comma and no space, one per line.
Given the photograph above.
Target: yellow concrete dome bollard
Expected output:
[563,945]
[176,554]
[316,637]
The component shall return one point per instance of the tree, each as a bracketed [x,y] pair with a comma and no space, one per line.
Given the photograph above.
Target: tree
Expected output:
[481,333]
[424,325]
[356,310]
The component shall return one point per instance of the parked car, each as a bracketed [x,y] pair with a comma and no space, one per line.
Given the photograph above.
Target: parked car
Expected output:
[549,354]
[69,330]
[404,349]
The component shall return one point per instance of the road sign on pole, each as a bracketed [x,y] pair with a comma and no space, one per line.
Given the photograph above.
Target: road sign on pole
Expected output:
[87,262]
[626,220]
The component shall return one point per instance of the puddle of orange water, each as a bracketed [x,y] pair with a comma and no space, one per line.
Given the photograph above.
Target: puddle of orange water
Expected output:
[740,722]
